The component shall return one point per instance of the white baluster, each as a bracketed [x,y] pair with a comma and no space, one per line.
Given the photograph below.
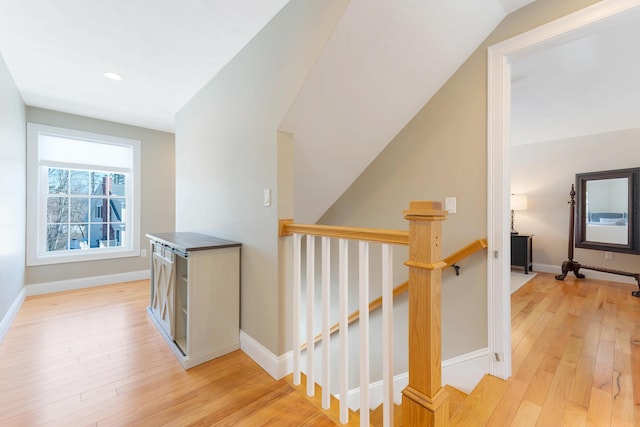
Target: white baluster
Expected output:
[364,331]
[326,303]
[343,283]
[295,321]
[310,302]
[387,335]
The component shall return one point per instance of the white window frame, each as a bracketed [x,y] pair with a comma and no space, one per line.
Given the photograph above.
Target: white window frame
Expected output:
[36,207]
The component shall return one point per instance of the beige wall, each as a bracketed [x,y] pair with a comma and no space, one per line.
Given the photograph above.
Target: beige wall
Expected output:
[285,244]
[443,152]
[157,197]
[12,191]
[227,154]
[547,214]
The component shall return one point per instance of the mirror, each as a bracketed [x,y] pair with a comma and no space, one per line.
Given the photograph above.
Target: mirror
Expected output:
[607,210]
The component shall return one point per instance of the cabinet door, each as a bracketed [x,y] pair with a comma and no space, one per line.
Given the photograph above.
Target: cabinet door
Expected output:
[518,251]
[164,284]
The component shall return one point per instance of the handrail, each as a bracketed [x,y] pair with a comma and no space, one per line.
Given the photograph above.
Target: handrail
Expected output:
[373,305]
[470,249]
[396,237]
[451,260]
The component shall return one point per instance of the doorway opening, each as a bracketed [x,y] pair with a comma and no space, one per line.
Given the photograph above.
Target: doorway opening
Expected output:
[500,57]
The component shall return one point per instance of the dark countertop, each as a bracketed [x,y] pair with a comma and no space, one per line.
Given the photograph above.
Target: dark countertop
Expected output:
[187,241]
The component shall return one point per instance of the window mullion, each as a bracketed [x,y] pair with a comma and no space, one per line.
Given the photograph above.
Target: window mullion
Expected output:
[69,213]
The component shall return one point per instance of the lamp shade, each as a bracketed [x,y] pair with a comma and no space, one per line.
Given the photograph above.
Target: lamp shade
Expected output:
[518,202]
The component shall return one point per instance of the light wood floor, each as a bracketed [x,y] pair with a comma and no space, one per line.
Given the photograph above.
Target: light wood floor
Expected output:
[576,355]
[92,357]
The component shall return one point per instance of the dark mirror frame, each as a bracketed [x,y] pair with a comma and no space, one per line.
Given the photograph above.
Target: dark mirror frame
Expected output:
[633,240]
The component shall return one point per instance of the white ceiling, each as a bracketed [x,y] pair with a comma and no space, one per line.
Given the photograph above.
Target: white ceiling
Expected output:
[383,62]
[165,50]
[589,85]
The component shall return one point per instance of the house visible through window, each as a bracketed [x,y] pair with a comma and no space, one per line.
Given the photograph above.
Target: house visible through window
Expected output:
[71,195]
[84,196]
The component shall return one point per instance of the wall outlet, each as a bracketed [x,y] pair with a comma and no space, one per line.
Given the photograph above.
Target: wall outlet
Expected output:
[608,255]
[143,253]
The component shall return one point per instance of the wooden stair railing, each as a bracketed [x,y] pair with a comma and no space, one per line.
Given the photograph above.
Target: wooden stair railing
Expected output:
[457,400]
[396,237]
[451,260]
[424,400]
[364,236]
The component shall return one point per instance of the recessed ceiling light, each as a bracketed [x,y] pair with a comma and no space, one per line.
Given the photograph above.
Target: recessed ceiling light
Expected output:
[113,76]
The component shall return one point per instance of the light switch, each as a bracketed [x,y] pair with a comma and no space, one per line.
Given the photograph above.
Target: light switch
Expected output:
[267,197]
[450,204]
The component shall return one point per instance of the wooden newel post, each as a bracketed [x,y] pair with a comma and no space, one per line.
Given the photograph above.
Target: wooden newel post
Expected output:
[424,401]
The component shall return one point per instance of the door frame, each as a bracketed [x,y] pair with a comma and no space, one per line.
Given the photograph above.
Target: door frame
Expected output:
[500,57]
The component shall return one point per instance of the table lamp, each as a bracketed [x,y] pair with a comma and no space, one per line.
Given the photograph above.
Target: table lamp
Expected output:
[518,203]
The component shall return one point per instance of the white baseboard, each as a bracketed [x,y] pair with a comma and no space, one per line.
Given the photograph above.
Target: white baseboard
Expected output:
[465,372]
[8,318]
[276,366]
[85,282]
[376,391]
[591,274]
[462,372]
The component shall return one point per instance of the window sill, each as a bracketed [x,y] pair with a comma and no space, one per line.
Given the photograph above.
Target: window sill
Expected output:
[69,256]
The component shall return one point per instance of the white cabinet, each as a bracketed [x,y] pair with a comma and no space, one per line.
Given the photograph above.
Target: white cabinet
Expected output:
[195,294]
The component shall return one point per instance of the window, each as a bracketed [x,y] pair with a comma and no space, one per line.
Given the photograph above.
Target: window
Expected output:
[84,197]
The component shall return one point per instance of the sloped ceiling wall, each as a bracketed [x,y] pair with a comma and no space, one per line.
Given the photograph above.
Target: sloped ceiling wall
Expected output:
[383,62]
[165,50]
